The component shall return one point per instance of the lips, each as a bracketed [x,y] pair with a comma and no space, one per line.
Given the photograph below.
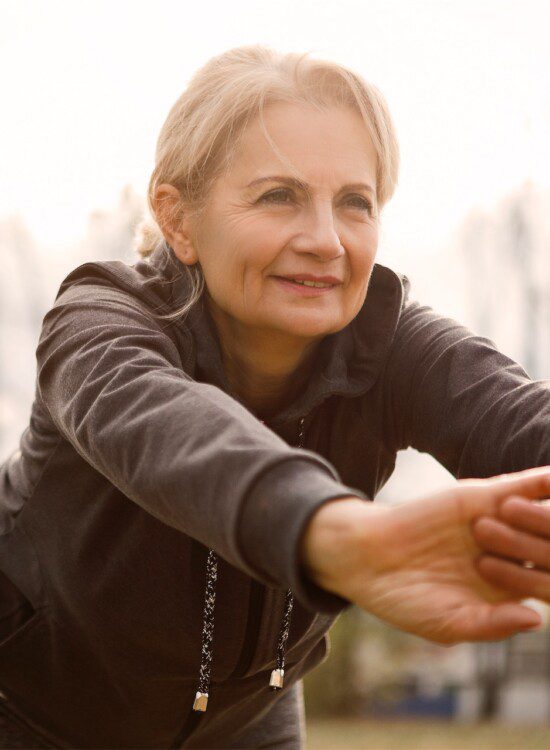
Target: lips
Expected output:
[294,280]
[332,280]
[303,290]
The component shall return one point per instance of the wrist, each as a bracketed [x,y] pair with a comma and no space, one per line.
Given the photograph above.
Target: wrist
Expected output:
[333,544]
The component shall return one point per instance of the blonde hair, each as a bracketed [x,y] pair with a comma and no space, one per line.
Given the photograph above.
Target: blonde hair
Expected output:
[203,128]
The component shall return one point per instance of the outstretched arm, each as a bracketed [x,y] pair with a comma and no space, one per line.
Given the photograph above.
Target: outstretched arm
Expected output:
[184,451]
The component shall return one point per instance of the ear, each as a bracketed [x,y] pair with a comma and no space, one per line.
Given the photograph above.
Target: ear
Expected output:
[174,222]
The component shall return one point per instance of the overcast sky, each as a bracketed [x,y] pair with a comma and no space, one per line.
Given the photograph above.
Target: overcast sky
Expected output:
[86,87]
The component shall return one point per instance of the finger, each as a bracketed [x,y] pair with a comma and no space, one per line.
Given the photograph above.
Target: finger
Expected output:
[484,496]
[530,483]
[526,515]
[490,622]
[500,539]
[523,582]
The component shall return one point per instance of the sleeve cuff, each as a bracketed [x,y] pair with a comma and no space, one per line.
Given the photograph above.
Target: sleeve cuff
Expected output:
[273,521]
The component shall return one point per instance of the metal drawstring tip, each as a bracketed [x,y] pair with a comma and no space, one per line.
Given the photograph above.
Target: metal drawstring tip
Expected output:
[277,677]
[201,701]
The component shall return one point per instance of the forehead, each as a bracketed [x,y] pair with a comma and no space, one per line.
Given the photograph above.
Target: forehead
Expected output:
[319,147]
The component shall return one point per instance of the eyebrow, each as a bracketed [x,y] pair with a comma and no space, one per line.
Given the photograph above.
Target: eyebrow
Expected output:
[295,182]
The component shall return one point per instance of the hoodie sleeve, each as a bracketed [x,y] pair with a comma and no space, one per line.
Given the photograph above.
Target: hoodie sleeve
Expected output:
[454,395]
[184,451]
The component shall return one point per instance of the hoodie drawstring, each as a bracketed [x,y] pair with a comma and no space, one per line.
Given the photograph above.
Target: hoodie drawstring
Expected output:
[277,674]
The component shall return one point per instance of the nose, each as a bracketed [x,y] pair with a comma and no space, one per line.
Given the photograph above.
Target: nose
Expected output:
[318,233]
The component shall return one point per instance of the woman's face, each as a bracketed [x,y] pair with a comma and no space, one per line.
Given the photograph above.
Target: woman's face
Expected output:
[264,222]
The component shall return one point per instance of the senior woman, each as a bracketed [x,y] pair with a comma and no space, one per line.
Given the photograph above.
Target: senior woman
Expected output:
[187,512]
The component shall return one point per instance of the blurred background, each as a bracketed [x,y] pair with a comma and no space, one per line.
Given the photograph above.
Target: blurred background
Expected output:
[85,89]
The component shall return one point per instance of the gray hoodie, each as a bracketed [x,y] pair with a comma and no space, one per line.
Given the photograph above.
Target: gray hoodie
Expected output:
[151,524]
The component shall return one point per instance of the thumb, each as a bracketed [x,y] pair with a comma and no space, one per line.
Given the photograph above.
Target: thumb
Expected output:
[493,622]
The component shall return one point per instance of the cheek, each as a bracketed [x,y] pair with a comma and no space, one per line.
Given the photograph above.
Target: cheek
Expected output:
[233,278]
[361,269]
[363,245]
[220,279]
[361,265]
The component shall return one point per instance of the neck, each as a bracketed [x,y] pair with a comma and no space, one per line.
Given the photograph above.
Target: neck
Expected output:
[265,370]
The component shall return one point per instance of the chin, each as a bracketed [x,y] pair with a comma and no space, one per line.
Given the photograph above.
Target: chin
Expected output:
[309,330]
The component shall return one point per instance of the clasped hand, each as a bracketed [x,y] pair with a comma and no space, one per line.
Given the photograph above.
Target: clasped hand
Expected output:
[450,567]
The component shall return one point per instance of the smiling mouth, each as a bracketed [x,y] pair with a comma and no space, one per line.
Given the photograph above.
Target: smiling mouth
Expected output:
[308,289]
[311,284]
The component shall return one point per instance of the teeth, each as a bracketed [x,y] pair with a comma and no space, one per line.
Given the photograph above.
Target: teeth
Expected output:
[311,283]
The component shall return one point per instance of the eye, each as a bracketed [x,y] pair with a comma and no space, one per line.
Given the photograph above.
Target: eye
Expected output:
[357,201]
[285,195]
[276,196]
